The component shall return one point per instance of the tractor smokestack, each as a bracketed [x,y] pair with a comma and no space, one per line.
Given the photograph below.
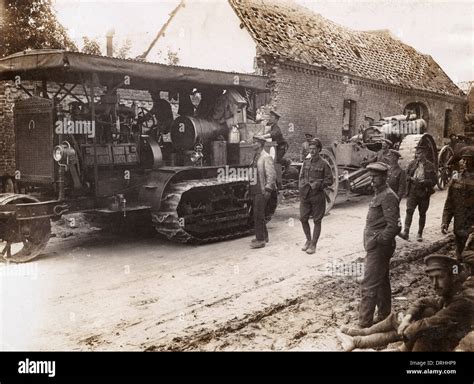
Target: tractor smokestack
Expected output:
[110,47]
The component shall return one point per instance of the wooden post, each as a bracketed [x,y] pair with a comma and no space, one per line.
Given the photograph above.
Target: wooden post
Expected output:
[94,139]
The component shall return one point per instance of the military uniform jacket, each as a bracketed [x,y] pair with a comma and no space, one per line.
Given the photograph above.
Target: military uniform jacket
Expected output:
[397,181]
[276,135]
[383,219]
[460,204]
[453,314]
[430,179]
[265,173]
[315,176]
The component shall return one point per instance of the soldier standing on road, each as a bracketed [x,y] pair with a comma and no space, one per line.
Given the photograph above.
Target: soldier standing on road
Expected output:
[305,146]
[382,226]
[421,178]
[261,189]
[315,177]
[460,202]
[397,176]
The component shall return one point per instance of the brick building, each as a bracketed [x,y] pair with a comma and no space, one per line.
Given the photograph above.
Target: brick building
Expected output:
[327,79]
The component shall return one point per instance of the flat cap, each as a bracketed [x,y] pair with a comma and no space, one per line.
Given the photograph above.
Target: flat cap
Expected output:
[316,141]
[439,262]
[275,113]
[308,134]
[259,139]
[378,167]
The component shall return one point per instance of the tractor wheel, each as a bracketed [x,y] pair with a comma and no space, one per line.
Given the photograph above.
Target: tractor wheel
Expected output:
[22,240]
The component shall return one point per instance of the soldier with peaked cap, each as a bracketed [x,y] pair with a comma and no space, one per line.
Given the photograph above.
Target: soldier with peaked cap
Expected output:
[460,202]
[438,324]
[315,177]
[261,189]
[382,226]
[305,146]
[276,135]
[396,175]
[431,324]
[421,179]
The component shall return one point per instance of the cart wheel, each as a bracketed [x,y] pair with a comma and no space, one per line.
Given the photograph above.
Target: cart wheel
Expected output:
[444,171]
[22,240]
[331,160]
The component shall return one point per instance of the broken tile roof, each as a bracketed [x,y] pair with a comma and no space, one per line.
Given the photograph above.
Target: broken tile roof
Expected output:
[291,32]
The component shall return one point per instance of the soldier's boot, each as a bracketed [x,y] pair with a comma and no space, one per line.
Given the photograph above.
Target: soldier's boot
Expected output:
[405,234]
[421,227]
[386,325]
[307,233]
[312,248]
[316,232]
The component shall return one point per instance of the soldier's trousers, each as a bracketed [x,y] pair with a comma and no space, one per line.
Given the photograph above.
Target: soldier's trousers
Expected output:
[422,202]
[375,286]
[259,205]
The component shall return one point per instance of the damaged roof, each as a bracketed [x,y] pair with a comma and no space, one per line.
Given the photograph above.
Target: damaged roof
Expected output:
[292,32]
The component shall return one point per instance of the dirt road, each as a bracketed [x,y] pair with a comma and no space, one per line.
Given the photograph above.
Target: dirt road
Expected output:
[96,291]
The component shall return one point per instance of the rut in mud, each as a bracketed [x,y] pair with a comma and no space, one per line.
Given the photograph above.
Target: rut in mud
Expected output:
[309,322]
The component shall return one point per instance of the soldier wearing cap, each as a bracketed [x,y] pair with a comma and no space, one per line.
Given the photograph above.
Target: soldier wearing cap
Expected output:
[438,324]
[421,179]
[382,226]
[460,202]
[396,175]
[315,177]
[431,324]
[261,190]
[305,146]
[276,135]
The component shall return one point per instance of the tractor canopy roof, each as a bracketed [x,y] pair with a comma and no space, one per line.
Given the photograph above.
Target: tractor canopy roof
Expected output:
[76,68]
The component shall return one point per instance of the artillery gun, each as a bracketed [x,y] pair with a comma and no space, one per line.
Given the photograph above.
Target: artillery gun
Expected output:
[347,159]
[124,161]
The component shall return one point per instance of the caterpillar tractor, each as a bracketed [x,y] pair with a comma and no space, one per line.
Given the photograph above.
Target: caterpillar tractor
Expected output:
[85,142]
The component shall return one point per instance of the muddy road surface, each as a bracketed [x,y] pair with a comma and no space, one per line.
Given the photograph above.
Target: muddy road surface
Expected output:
[100,291]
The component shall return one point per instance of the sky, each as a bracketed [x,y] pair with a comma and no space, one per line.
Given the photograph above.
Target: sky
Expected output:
[442,29]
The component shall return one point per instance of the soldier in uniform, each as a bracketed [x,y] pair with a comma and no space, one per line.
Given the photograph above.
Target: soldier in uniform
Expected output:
[261,189]
[276,135]
[315,177]
[431,324]
[305,146]
[460,202]
[397,176]
[382,226]
[421,178]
